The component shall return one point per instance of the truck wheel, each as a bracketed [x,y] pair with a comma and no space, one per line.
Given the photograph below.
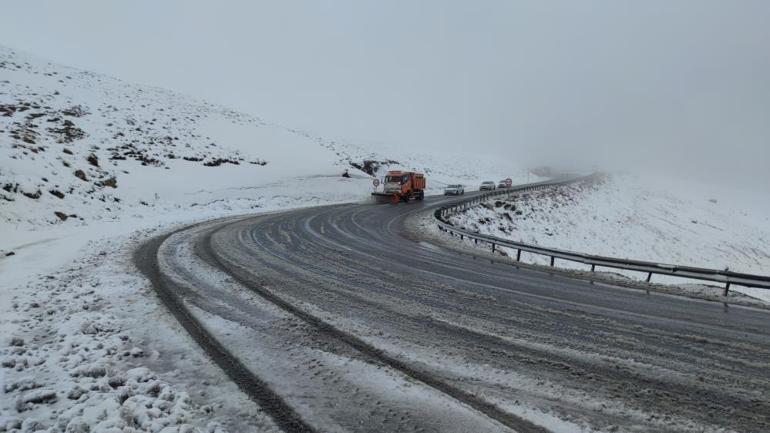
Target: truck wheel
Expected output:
[420,195]
[394,199]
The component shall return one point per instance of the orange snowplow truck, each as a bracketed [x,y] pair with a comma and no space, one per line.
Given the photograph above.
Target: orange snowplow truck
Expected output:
[402,186]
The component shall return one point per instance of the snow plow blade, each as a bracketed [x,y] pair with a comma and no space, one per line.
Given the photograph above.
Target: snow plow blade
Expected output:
[381,197]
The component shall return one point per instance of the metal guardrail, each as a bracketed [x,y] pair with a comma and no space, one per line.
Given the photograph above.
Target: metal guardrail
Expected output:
[651,268]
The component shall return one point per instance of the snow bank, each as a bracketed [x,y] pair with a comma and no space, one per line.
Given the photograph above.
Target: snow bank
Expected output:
[633,217]
[71,360]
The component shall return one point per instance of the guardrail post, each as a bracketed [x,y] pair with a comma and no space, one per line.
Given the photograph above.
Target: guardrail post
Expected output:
[475,241]
[593,268]
[727,288]
[518,255]
[461,236]
[493,247]
[552,259]
[649,275]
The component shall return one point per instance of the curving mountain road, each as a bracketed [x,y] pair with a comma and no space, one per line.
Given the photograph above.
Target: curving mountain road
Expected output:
[348,318]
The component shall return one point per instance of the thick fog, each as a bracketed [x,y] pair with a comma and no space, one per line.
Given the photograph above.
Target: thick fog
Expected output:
[667,86]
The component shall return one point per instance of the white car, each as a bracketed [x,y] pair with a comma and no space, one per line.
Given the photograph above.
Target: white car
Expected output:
[454,190]
[502,184]
[488,185]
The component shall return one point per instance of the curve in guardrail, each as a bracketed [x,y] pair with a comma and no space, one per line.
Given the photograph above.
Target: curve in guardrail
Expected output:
[725,277]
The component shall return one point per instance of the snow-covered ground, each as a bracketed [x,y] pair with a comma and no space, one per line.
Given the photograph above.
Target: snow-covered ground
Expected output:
[91,166]
[639,218]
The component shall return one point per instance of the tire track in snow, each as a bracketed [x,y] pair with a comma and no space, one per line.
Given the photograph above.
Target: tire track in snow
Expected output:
[517,423]
[282,414]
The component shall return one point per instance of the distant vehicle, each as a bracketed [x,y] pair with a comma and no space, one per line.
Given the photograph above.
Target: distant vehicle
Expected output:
[402,186]
[488,185]
[454,190]
[502,184]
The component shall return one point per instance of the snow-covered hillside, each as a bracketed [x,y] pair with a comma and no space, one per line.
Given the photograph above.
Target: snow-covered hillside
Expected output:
[81,146]
[634,217]
[87,147]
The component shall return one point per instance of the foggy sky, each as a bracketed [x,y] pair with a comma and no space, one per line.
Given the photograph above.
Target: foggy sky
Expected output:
[668,85]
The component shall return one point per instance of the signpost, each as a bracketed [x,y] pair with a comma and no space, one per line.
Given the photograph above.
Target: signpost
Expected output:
[508,182]
[375,182]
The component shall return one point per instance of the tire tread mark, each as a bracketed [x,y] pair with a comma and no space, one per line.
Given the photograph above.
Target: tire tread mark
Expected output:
[145,258]
[491,410]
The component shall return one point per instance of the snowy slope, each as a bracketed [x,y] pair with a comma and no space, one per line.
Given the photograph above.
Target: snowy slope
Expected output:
[634,217]
[91,146]
[96,147]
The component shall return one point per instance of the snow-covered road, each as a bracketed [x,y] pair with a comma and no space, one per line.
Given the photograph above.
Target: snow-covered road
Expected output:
[353,321]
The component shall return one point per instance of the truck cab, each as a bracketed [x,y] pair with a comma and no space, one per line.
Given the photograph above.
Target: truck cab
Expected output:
[403,185]
[396,182]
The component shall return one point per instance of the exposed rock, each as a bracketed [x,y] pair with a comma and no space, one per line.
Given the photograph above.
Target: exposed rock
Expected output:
[7,109]
[111,182]
[75,111]
[67,133]
[62,216]
[370,166]
[33,195]
[219,161]
[80,174]
[11,187]
[116,381]
[93,160]
[90,371]
[75,393]
[24,384]
[39,396]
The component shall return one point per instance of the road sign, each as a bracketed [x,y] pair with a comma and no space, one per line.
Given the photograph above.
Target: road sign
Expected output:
[508,182]
[376,182]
